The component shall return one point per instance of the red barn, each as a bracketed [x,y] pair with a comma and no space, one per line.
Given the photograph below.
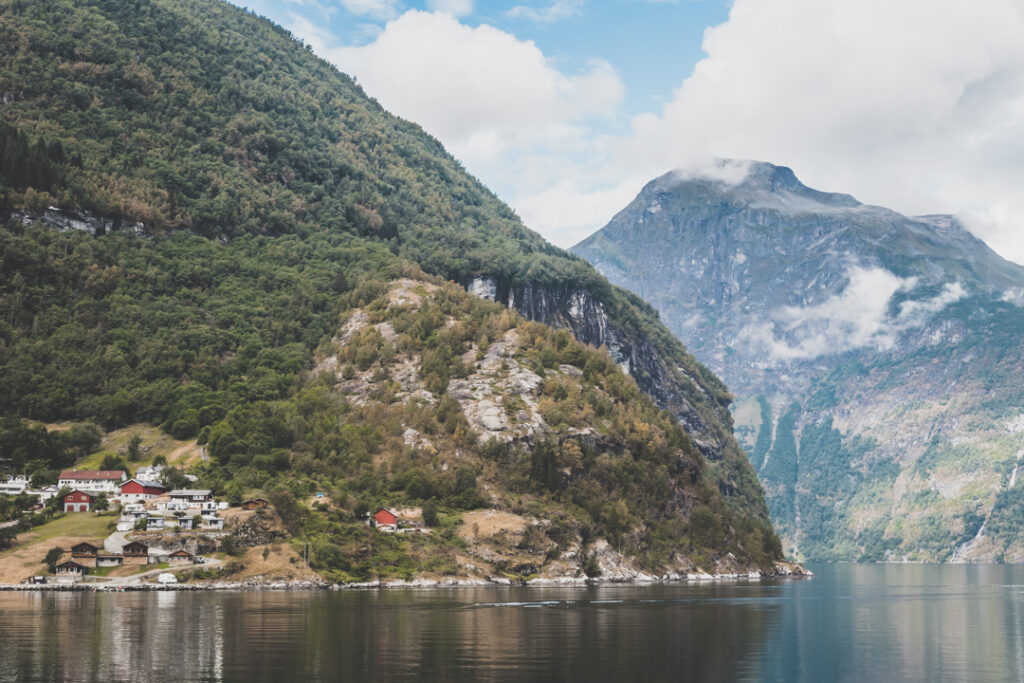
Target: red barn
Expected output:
[77,501]
[135,490]
[385,517]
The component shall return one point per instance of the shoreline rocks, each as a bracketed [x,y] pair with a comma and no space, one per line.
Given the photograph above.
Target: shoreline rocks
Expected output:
[782,571]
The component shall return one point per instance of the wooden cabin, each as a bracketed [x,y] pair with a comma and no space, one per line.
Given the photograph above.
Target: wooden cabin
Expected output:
[181,557]
[135,553]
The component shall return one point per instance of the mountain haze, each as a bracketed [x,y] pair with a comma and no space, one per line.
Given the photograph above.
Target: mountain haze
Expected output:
[875,356]
[195,203]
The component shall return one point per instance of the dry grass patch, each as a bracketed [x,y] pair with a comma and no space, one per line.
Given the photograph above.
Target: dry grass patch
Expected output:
[487,523]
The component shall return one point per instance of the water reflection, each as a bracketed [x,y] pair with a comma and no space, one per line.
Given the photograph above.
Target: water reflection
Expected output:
[849,623]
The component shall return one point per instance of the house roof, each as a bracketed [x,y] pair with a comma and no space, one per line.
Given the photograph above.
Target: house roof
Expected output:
[148,484]
[87,495]
[83,543]
[191,492]
[92,475]
[181,553]
[70,564]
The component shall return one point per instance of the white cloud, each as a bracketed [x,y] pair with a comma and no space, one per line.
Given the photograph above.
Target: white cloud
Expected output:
[554,11]
[916,104]
[508,112]
[374,9]
[456,8]
[857,317]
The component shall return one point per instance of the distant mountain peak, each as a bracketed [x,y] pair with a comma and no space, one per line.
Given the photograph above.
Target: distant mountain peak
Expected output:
[754,184]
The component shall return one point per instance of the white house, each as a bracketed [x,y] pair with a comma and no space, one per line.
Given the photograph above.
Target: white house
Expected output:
[151,473]
[15,485]
[93,481]
[193,497]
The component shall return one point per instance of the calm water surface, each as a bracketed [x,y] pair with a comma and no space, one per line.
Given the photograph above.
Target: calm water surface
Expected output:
[849,623]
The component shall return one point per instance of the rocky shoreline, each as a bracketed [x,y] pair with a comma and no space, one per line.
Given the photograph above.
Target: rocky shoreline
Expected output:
[783,570]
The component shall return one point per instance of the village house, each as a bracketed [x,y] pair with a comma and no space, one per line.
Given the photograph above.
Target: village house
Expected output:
[213,523]
[135,490]
[150,473]
[69,571]
[85,553]
[193,497]
[389,521]
[255,504]
[135,552]
[109,560]
[78,501]
[384,519]
[154,522]
[92,481]
[179,557]
[185,523]
[15,485]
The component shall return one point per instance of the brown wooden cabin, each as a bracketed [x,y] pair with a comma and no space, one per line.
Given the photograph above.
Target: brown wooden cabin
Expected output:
[70,567]
[255,504]
[135,552]
[85,551]
[181,557]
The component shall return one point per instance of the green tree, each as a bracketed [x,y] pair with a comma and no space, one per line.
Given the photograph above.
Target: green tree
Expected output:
[53,556]
[135,448]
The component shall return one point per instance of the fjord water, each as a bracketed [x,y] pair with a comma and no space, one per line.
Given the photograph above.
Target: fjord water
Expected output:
[848,623]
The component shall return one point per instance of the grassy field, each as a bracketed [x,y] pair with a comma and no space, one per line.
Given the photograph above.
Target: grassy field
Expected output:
[154,443]
[86,524]
[25,557]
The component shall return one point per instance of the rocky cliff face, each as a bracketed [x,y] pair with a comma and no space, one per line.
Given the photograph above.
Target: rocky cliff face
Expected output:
[576,309]
[873,354]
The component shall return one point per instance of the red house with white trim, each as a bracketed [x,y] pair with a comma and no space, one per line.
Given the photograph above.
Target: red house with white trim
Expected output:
[77,501]
[135,490]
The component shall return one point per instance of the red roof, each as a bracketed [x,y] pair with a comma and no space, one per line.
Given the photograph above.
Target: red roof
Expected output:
[111,475]
[385,516]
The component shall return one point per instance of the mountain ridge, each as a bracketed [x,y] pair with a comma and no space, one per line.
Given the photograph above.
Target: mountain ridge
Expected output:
[812,311]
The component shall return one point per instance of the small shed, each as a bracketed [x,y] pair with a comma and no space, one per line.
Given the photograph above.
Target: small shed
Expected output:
[255,504]
[181,557]
[78,501]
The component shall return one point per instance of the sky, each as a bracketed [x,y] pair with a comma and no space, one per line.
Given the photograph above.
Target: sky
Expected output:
[566,108]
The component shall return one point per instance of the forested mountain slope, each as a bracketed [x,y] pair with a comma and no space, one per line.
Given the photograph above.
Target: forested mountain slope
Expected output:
[242,195]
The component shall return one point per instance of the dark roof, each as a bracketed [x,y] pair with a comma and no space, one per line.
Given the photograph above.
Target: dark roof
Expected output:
[84,543]
[70,564]
[182,552]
